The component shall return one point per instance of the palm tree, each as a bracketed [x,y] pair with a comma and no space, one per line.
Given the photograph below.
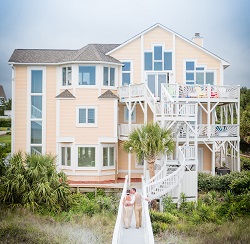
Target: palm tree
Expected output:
[149,142]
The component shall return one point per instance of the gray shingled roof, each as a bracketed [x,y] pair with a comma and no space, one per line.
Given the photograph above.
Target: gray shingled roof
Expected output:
[108,94]
[65,94]
[91,52]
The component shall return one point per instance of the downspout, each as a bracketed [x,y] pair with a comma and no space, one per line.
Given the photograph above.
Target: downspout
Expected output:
[13,110]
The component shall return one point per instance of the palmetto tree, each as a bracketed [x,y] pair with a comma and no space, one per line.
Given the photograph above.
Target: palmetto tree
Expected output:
[149,142]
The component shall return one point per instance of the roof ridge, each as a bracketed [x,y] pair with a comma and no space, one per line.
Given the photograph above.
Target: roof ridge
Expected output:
[97,54]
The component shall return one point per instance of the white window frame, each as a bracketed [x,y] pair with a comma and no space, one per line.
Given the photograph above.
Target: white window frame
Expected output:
[133,117]
[108,166]
[109,70]
[198,71]
[86,124]
[66,145]
[96,157]
[67,83]
[96,77]
[131,70]
[29,119]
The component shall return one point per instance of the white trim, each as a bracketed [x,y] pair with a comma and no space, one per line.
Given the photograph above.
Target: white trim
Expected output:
[172,81]
[13,105]
[131,70]
[28,115]
[61,77]
[70,145]
[115,119]
[96,157]
[224,62]
[86,124]
[65,63]
[109,87]
[142,59]
[132,171]
[102,167]
[65,139]
[107,139]
[77,173]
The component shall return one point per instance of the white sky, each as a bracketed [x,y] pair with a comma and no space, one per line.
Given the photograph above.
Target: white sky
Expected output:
[71,24]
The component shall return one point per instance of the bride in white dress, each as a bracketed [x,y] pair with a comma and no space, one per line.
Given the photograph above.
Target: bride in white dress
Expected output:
[127,209]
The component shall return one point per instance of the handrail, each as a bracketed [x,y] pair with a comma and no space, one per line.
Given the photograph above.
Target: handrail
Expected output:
[148,231]
[153,188]
[118,230]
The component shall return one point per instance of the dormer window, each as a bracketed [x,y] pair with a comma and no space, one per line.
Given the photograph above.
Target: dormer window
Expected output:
[66,76]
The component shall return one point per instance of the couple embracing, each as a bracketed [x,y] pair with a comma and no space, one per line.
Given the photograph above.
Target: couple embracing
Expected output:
[132,201]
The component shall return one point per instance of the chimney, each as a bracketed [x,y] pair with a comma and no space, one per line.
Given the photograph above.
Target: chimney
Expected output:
[197,39]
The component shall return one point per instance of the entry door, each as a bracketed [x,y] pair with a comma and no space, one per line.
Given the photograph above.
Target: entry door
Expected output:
[154,82]
[200,159]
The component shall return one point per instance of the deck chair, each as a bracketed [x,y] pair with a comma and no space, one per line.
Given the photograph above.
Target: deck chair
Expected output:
[199,92]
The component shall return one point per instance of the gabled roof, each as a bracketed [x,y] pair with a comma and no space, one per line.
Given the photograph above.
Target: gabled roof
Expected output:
[65,94]
[108,94]
[91,52]
[224,62]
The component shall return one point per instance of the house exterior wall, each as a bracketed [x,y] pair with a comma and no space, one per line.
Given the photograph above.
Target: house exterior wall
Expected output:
[62,128]
[20,116]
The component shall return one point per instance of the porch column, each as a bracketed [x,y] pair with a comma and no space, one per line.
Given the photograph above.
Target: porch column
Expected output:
[213,159]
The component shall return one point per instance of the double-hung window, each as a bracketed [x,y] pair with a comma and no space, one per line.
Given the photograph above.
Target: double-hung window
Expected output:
[66,76]
[86,116]
[87,75]
[66,156]
[36,112]
[108,154]
[157,59]
[108,76]
[126,73]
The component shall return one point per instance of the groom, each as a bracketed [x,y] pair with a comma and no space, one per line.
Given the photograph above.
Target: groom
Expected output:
[137,200]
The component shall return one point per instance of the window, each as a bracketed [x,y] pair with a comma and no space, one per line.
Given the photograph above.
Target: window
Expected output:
[108,156]
[86,75]
[198,75]
[36,124]
[66,156]
[86,156]
[158,59]
[126,73]
[66,76]
[86,116]
[133,116]
[108,76]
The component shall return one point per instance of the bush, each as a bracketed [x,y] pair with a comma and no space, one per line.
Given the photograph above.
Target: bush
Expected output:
[5,122]
[245,163]
[163,217]
[32,182]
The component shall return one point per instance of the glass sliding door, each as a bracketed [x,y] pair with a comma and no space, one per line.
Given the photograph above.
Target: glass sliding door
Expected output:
[154,82]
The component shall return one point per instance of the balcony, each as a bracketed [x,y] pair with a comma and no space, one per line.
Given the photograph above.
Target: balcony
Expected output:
[179,92]
[211,131]
[123,130]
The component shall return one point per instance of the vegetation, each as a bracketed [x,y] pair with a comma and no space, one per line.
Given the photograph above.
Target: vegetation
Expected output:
[221,215]
[150,142]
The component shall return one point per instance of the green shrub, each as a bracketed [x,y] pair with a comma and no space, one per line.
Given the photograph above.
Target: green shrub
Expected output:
[5,122]
[33,182]
[163,217]
[241,184]
[245,163]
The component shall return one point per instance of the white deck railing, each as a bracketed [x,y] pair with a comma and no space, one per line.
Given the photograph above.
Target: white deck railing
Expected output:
[148,232]
[123,129]
[163,182]
[118,230]
[202,91]
[214,130]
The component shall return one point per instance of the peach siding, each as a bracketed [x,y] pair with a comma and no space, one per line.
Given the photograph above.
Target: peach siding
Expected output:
[131,51]
[105,117]
[51,110]
[207,158]
[185,50]
[20,108]
[159,36]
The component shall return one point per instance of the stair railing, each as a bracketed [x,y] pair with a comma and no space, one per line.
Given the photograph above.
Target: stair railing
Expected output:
[148,232]
[118,230]
[164,183]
